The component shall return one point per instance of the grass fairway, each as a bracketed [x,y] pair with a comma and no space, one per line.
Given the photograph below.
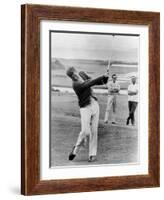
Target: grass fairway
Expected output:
[116,144]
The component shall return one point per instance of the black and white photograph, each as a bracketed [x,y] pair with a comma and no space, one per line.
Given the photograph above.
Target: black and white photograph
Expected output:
[90,99]
[94,98]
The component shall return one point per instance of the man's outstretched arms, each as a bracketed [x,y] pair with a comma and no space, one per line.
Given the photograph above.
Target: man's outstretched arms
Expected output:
[91,82]
[84,75]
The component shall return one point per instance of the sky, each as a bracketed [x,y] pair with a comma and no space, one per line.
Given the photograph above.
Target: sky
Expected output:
[93,46]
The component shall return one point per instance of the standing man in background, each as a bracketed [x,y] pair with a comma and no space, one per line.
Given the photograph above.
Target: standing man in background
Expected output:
[113,91]
[132,100]
[89,110]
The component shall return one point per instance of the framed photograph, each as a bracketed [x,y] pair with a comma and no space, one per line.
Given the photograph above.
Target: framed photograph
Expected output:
[90,99]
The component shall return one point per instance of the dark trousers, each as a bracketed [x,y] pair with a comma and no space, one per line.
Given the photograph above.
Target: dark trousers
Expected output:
[132,107]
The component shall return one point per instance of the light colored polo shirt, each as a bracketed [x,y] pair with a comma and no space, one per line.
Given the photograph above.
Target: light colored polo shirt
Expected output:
[133,88]
[111,86]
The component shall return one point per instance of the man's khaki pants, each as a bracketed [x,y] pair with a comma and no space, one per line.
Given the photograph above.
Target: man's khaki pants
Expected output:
[89,127]
[111,103]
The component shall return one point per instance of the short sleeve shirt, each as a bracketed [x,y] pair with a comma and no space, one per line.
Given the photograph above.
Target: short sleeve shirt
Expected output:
[112,86]
[133,88]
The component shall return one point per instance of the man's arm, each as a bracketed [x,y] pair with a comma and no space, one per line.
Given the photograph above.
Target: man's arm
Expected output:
[84,75]
[131,93]
[117,89]
[113,89]
[89,83]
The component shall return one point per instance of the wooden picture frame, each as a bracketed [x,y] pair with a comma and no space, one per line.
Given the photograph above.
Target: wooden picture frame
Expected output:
[31,16]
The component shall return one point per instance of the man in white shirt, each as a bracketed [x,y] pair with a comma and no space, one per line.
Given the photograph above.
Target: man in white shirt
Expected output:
[113,91]
[132,100]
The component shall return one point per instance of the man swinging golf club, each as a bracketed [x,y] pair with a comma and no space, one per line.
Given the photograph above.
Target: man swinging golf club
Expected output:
[89,110]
